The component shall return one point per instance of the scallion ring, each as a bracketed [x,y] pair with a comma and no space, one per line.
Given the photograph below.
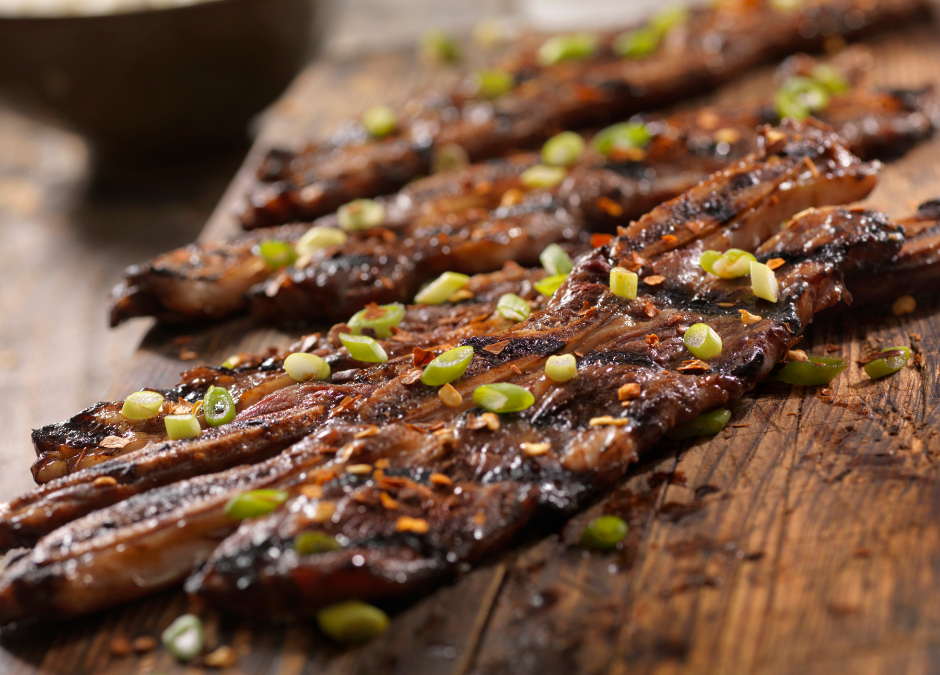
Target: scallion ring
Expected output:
[181,426]
[438,47]
[142,405]
[493,83]
[891,361]
[380,318]
[731,264]
[277,253]
[800,97]
[702,340]
[360,214]
[448,366]
[254,503]
[512,307]
[549,285]
[623,282]
[637,43]
[438,291]
[352,622]
[542,176]
[308,543]
[555,260]
[185,638]
[379,121]
[620,138]
[363,348]
[563,149]
[503,397]
[561,367]
[567,48]
[305,367]
[707,424]
[815,371]
[830,78]
[218,406]
[320,237]
[604,533]
[764,282]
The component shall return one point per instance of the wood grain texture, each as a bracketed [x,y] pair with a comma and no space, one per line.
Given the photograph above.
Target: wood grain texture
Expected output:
[804,538]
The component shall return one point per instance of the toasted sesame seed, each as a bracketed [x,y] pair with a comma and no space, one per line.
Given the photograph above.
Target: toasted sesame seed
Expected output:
[512,197]
[387,501]
[903,305]
[536,449]
[748,318]
[608,421]
[324,512]
[491,420]
[104,481]
[797,355]
[629,391]
[727,135]
[311,491]
[366,433]
[223,657]
[440,479]
[654,280]
[462,294]
[450,396]
[409,524]
[359,469]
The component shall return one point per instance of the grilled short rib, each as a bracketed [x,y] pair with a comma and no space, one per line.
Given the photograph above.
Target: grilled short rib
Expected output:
[398,423]
[711,48]
[462,211]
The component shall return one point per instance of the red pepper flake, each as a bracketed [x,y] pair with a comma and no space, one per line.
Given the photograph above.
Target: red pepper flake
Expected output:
[579,355]
[628,392]
[830,348]
[440,479]
[484,187]
[412,376]
[916,337]
[669,239]
[609,206]
[373,311]
[409,524]
[479,519]
[598,239]
[344,405]
[421,357]
[774,263]
[652,340]
[496,348]
[826,392]
[367,432]
[654,280]
[650,309]
[740,426]
[694,365]
[388,502]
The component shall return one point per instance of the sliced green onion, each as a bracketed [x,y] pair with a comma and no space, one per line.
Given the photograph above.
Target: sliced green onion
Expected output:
[276,253]
[512,307]
[360,214]
[549,285]
[493,83]
[142,405]
[707,424]
[320,237]
[304,367]
[708,260]
[731,264]
[637,43]
[181,426]
[438,291]
[764,282]
[563,149]
[379,121]
[702,340]
[307,543]
[888,365]
[555,260]
[561,367]
[185,638]
[218,406]
[255,503]
[567,48]
[352,622]
[448,366]
[542,176]
[814,372]
[439,47]
[830,78]
[380,319]
[604,533]
[503,397]
[623,283]
[669,18]
[449,157]
[800,97]
[363,348]
[622,137]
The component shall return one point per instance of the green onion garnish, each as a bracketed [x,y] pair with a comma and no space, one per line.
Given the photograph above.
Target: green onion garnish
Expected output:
[549,285]
[623,283]
[764,282]
[555,260]
[830,78]
[142,405]
[360,214]
[307,543]
[621,138]
[320,237]
[276,253]
[449,157]
[493,83]
[363,348]
[707,424]
[563,149]
[561,367]
[439,47]
[255,503]
[731,264]
[218,406]
[891,361]
[567,48]
[185,638]
[438,291]
[800,97]
[604,533]
[669,18]
[379,121]
[637,43]
[503,397]
[512,307]
[304,367]
[702,340]
[380,319]
[181,426]
[542,176]
[816,371]
[352,622]
[448,366]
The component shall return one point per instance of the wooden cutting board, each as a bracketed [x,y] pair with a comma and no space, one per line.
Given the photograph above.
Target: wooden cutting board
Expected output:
[804,538]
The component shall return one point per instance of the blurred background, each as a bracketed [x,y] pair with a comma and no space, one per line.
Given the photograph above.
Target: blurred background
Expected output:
[119,131]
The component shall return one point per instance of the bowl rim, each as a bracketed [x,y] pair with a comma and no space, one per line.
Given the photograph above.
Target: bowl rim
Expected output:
[139,12]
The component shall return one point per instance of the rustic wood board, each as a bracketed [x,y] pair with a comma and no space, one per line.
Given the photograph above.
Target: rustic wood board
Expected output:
[802,539]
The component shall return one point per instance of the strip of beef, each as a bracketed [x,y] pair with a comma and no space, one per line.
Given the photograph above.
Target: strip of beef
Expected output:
[402,424]
[101,432]
[456,221]
[711,48]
